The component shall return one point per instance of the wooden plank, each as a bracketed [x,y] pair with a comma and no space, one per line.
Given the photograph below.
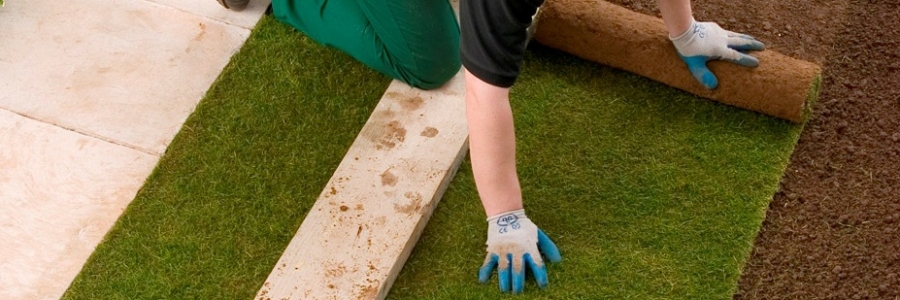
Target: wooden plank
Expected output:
[362,228]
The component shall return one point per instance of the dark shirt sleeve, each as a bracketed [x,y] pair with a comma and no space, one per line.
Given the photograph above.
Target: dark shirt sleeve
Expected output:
[493,37]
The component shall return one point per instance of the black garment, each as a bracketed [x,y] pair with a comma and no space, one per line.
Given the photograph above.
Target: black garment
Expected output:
[493,37]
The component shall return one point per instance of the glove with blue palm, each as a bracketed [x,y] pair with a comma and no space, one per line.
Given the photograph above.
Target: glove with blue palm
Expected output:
[705,41]
[513,242]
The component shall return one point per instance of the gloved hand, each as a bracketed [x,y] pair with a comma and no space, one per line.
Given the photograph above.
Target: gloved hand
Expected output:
[706,41]
[513,241]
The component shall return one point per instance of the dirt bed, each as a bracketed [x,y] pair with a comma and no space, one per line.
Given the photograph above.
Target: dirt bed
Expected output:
[832,231]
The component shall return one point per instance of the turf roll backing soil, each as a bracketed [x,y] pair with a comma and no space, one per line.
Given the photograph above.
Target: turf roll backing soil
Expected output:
[606,33]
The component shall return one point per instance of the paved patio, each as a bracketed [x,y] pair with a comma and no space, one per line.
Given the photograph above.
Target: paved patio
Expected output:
[91,94]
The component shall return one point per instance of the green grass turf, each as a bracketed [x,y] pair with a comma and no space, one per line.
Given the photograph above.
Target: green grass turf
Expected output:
[650,193]
[236,182]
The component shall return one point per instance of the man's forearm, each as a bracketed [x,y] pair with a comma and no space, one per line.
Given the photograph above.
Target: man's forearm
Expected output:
[677,15]
[492,146]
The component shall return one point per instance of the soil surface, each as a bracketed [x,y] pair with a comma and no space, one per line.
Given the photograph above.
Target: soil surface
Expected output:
[832,231]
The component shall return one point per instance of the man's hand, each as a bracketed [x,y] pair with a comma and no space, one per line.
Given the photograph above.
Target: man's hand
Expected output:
[513,241]
[706,41]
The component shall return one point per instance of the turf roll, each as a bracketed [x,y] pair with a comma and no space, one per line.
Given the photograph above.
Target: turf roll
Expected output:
[615,36]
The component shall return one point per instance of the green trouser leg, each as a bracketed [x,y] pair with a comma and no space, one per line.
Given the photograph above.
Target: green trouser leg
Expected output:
[415,41]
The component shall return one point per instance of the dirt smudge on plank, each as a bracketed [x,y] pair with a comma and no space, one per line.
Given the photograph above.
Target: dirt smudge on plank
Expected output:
[429,132]
[388,178]
[408,101]
[414,205]
[393,134]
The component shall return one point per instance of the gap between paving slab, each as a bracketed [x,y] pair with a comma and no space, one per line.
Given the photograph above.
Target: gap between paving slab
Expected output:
[91,96]
[211,9]
[124,71]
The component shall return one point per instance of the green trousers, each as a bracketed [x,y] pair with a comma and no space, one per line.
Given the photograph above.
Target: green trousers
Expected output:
[415,41]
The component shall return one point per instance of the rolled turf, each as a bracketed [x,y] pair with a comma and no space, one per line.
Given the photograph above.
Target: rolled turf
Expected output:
[649,192]
[600,31]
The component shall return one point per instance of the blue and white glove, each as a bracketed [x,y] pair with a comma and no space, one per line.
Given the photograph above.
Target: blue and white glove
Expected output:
[705,41]
[513,241]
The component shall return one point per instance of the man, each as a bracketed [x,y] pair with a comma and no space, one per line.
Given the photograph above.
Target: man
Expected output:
[410,39]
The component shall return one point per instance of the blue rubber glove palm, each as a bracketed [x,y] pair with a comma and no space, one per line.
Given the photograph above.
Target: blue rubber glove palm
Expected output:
[706,41]
[513,242]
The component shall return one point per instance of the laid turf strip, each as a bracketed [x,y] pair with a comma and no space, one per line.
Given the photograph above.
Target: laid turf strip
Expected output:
[236,182]
[649,192]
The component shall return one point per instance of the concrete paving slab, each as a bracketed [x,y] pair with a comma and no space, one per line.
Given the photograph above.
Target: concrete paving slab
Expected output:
[126,71]
[211,9]
[60,192]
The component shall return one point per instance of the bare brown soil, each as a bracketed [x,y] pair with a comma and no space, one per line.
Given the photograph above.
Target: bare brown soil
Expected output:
[832,231]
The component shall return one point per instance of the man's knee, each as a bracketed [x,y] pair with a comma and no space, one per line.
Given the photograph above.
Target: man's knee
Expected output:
[434,74]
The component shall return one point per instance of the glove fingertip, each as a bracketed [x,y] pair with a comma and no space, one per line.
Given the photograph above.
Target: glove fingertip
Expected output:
[504,271]
[518,281]
[707,79]
[746,60]
[540,272]
[548,248]
[697,66]
[747,45]
[759,46]
[552,254]
[484,273]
